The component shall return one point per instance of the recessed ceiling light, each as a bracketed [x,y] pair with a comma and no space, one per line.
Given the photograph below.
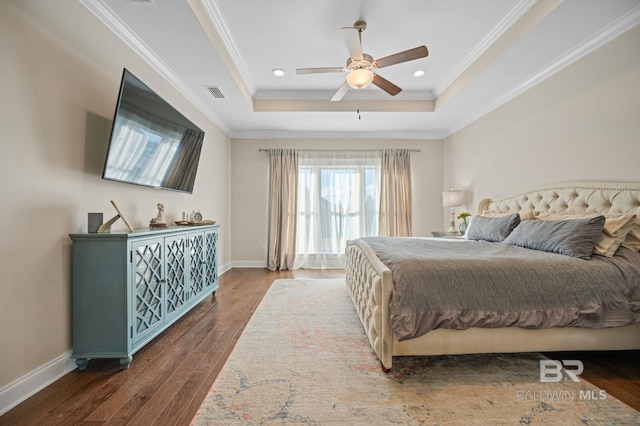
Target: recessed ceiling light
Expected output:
[278,72]
[418,73]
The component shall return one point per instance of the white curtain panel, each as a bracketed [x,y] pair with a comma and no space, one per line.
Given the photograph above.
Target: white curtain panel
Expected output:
[338,200]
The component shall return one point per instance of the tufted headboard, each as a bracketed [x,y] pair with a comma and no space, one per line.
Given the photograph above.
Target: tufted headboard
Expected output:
[572,197]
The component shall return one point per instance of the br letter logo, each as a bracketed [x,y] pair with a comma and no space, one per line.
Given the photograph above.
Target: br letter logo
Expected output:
[551,371]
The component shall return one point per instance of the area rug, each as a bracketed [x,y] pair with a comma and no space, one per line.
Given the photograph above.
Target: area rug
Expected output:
[304,359]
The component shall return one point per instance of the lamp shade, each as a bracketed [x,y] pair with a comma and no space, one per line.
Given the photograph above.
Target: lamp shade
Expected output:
[360,78]
[452,198]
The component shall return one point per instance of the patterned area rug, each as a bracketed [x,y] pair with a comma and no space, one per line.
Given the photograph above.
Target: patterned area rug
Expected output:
[304,359]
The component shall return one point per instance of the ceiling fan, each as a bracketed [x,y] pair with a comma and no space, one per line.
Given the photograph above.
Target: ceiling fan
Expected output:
[360,66]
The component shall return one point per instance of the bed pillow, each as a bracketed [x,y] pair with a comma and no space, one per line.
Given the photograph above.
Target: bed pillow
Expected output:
[493,229]
[632,241]
[616,228]
[573,237]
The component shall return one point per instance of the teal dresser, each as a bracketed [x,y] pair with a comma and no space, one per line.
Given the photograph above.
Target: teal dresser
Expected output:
[130,286]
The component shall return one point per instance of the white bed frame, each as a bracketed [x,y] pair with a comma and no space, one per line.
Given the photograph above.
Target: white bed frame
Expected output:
[369,282]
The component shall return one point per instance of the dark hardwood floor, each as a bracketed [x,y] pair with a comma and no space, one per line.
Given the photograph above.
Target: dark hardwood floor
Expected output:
[169,378]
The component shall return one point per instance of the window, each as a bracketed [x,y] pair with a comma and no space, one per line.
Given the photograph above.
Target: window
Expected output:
[338,200]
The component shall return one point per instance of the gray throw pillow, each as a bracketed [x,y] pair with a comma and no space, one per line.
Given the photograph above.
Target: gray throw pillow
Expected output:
[574,237]
[493,229]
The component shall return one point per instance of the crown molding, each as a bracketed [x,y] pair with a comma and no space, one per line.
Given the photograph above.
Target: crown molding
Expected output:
[604,36]
[217,19]
[106,15]
[508,19]
[287,134]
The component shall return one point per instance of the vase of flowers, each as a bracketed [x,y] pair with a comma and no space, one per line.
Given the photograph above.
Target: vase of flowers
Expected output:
[463,226]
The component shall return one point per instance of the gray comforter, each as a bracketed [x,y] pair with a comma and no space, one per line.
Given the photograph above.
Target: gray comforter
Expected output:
[457,284]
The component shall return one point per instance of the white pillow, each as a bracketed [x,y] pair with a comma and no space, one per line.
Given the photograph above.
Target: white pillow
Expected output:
[633,237]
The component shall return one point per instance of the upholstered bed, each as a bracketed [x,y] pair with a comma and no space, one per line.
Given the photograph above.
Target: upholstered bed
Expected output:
[371,283]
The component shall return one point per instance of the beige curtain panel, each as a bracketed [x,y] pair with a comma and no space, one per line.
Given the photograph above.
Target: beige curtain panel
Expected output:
[395,194]
[283,189]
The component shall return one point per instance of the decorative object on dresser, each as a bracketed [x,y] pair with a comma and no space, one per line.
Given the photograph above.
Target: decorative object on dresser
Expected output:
[94,221]
[196,216]
[158,221]
[129,287]
[451,199]
[106,227]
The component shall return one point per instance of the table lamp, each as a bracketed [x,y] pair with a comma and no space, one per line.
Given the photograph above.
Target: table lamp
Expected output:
[451,199]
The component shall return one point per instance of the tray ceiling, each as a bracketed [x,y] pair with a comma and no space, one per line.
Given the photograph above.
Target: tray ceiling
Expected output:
[220,54]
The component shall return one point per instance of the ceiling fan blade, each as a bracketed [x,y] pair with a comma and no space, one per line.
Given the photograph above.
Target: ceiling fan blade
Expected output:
[341,92]
[407,55]
[386,85]
[353,41]
[319,70]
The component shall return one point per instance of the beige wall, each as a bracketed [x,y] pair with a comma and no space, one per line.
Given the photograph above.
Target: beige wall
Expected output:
[59,82]
[249,183]
[583,123]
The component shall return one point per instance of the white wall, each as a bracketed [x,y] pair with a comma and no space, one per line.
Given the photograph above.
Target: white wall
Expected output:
[59,79]
[249,183]
[583,123]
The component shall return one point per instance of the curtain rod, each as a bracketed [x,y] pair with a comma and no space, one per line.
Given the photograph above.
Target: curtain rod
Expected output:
[269,149]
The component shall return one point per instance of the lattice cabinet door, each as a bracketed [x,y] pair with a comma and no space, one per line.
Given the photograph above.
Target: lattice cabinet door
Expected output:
[148,287]
[211,266]
[197,260]
[176,275]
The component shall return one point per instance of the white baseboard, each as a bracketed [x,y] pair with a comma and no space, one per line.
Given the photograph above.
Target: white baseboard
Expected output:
[26,386]
[248,264]
[30,384]
[224,268]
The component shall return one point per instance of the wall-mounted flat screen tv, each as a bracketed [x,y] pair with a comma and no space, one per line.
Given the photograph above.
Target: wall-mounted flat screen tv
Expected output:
[151,143]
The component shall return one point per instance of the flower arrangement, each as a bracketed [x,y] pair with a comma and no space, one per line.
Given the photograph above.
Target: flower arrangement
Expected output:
[463,215]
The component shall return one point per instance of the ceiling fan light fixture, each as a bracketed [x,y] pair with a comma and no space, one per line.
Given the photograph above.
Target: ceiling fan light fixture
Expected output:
[360,66]
[360,78]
